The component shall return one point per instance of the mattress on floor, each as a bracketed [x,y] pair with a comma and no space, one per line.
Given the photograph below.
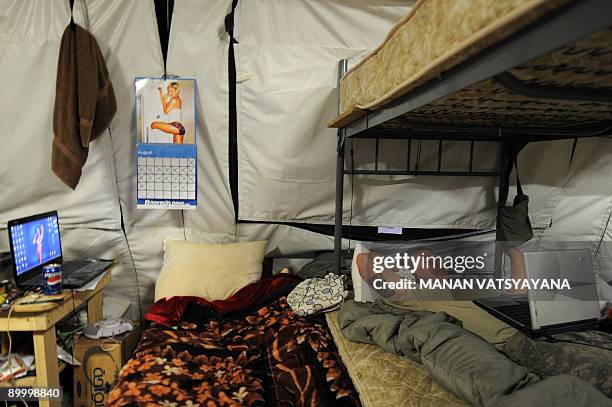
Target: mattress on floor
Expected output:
[435,36]
[384,379]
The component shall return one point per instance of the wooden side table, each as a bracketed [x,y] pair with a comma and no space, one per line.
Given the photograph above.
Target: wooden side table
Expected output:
[42,325]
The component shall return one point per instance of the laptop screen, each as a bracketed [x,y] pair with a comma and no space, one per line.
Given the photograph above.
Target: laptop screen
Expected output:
[35,241]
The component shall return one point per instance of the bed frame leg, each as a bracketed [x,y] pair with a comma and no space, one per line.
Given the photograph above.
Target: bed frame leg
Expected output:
[339,258]
[339,201]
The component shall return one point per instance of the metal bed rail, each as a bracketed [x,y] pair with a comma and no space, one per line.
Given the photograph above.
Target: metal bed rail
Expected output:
[564,26]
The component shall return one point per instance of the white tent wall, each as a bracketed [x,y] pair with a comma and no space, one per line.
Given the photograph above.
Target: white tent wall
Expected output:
[582,211]
[128,36]
[286,67]
[287,61]
[90,216]
[450,202]
[30,33]
[198,48]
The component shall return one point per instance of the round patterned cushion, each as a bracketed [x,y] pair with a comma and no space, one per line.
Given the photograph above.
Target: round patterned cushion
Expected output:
[315,295]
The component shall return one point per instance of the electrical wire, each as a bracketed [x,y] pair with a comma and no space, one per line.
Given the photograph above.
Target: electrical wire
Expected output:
[603,232]
[10,349]
[74,316]
[603,235]
[10,340]
[127,242]
[114,344]
[183,225]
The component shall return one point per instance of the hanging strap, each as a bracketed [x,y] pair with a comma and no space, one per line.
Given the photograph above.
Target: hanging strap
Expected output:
[167,37]
[71,3]
[573,152]
[508,161]
[519,188]
[229,22]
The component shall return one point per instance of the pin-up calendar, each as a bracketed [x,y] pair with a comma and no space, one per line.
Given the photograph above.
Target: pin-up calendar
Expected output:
[166,143]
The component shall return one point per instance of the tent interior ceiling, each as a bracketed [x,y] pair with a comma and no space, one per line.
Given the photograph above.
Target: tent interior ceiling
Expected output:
[286,72]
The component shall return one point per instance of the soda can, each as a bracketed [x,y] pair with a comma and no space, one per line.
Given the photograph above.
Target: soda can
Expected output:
[52,277]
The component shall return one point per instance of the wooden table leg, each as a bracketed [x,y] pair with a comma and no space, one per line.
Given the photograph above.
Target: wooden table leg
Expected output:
[94,308]
[45,354]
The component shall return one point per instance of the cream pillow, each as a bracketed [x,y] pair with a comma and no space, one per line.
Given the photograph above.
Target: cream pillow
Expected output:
[213,271]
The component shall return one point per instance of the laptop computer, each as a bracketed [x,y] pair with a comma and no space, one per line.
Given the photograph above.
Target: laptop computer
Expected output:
[34,242]
[542,312]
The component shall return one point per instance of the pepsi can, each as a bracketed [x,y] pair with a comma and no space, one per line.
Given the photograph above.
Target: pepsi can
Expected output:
[52,277]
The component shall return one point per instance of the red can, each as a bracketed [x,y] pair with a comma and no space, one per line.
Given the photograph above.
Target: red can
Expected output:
[52,277]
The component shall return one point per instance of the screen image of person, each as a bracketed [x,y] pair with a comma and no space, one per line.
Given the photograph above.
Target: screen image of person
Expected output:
[38,241]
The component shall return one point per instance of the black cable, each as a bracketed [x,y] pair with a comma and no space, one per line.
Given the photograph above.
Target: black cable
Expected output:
[603,232]
[603,235]
[125,237]
[183,225]
[551,339]
[74,316]
[129,249]
[573,152]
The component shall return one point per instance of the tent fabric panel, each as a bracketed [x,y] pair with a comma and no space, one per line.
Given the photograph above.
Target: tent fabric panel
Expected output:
[287,61]
[29,46]
[198,48]
[286,155]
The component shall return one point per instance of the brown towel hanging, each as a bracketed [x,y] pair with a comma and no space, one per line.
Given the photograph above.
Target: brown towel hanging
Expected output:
[84,102]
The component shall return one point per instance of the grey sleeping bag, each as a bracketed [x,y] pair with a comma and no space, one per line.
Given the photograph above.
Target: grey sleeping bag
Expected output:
[464,363]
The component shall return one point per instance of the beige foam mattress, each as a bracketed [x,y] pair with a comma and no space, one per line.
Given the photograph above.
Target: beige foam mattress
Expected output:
[384,379]
[436,36]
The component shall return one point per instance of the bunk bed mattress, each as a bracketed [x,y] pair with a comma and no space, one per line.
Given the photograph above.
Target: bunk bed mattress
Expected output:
[435,36]
[383,379]
[583,64]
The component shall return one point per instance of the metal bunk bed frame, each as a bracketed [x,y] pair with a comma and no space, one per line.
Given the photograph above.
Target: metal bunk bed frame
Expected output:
[548,34]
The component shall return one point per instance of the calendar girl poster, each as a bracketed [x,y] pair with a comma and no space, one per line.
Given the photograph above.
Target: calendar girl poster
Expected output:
[166,143]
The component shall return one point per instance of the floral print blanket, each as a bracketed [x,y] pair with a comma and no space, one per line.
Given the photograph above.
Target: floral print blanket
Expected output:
[268,356]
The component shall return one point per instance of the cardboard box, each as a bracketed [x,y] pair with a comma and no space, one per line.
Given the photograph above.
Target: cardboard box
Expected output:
[101,359]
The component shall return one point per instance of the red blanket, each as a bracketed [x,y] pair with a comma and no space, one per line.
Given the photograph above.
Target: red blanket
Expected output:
[169,311]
